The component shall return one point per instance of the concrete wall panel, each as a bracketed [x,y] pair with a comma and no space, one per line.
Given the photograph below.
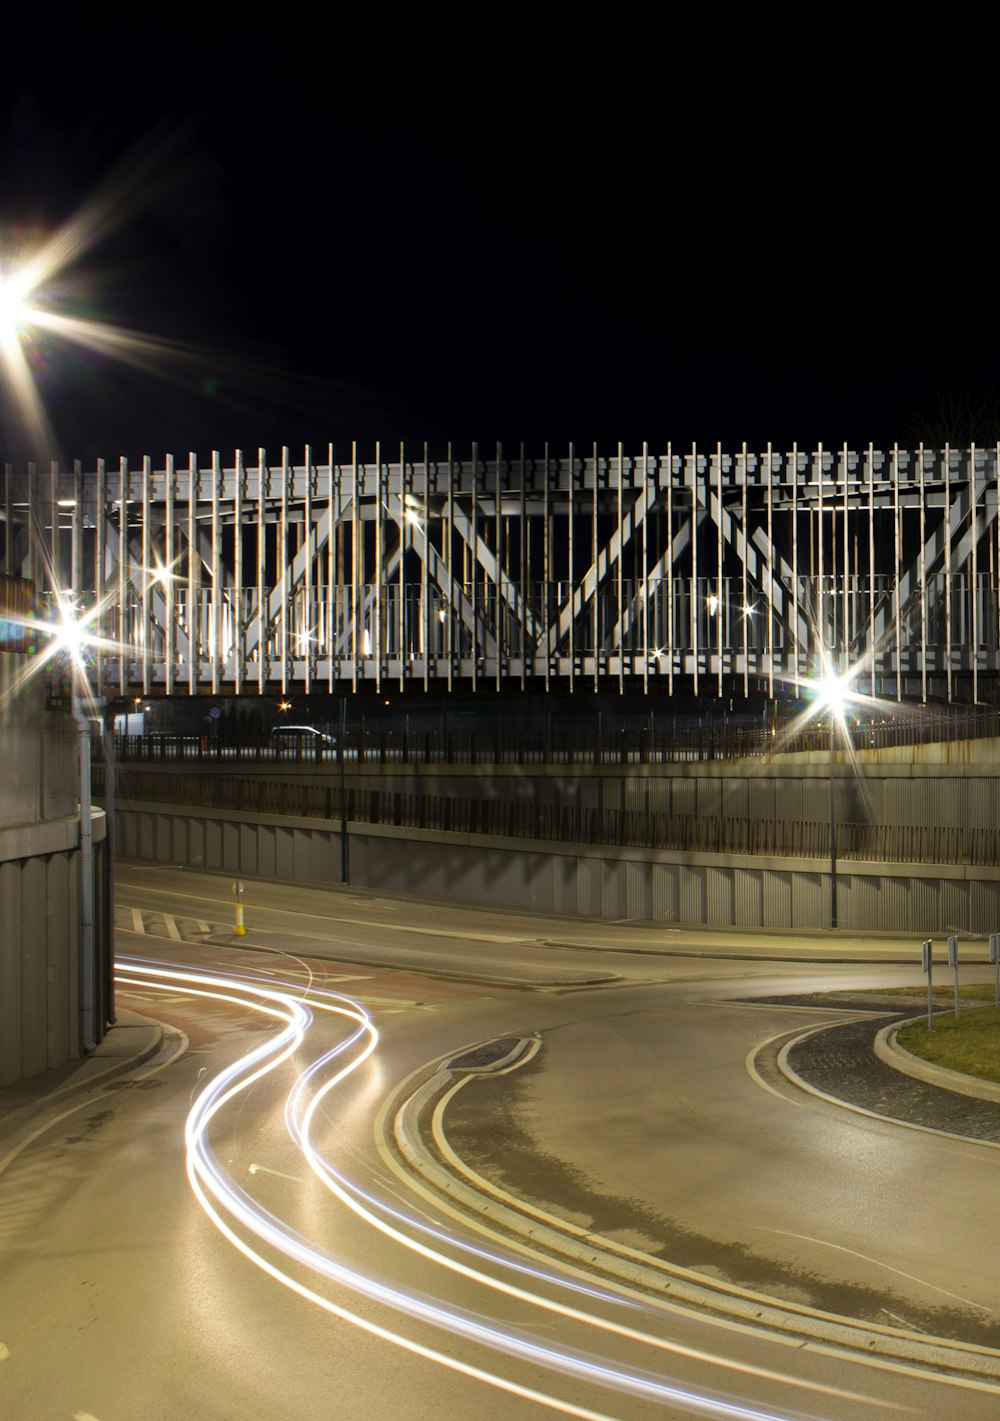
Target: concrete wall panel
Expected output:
[810,900]
[614,891]
[638,897]
[11,970]
[34,993]
[691,883]
[59,959]
[665,893]
[719,895]
[748,897]
[231,846]
[248,856]
[777,896]
[589,886]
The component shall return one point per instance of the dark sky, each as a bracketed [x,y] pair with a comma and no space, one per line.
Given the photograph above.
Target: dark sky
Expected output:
[716,231]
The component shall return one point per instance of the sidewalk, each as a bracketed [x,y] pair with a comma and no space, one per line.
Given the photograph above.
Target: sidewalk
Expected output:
[768,944]
[132,1040]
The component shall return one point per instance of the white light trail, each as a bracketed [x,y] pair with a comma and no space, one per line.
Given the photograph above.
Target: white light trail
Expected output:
[233,1209]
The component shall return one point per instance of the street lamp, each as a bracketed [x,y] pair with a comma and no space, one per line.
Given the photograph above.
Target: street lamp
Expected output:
[833,694]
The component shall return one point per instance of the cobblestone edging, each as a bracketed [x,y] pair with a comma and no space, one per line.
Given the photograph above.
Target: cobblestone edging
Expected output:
[845,1061]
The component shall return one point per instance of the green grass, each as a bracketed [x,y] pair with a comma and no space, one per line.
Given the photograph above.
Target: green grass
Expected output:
[969,1042]
[943,992]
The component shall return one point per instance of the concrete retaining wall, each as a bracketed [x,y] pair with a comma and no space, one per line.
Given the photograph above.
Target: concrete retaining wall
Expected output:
[596,881]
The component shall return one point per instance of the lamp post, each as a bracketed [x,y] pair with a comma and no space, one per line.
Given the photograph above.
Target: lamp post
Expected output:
[833,822]
[833,693]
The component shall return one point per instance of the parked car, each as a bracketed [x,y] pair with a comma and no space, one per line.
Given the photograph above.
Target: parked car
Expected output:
[300,739]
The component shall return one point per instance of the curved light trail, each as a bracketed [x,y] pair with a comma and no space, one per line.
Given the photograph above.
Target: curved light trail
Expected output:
[233,1209]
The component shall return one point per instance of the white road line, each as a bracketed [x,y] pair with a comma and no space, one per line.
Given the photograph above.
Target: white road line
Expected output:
[4,1352]
[172,929]
[807,1238]
[758,1079]
[137,924]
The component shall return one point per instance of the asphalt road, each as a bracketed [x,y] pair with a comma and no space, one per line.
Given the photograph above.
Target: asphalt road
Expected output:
[325,1271]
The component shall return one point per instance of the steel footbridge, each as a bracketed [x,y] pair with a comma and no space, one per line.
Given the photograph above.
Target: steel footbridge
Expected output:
[699,571]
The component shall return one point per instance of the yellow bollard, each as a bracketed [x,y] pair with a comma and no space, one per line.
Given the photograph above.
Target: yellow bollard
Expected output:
[240,930]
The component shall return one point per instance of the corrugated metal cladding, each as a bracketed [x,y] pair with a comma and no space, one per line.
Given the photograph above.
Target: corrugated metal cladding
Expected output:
[748,897]
[980,803]
[924,914]
[815,799]
[858,901]
[614,890]
[636,793]
[564,881]
[660,798]
[708,798]
[777,896]
[953,905]
[589,883]
[788,799]
[692,894]
[807,899]
[735,800]
[665,893]
[685,799]
[760,799]
[896,904]
[39,1010]
[622,887]
[638,896]
[719,895]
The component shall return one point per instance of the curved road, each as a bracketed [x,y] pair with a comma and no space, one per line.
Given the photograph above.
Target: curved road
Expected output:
[319,1200]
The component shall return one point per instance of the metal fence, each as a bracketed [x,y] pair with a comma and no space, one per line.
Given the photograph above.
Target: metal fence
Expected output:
[568,824]
[653,740]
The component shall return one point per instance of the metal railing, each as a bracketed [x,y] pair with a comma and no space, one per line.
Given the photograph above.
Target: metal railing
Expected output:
[655,740]
[568,824]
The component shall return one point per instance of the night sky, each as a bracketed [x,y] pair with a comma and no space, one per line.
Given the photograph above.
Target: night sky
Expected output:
[416,230]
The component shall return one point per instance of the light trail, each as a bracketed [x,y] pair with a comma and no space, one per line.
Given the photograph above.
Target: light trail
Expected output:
[232,1208]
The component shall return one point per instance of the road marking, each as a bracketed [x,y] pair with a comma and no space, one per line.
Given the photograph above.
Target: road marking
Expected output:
[83,1416]
[172,929]
[138,926]
[807,1238]
[756,1076]
[4,1352]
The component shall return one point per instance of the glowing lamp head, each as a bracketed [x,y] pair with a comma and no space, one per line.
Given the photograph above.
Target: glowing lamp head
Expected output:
[833,694]
[71,634]
[13,311]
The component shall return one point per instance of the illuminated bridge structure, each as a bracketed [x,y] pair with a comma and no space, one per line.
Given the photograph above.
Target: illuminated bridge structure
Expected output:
[693,572]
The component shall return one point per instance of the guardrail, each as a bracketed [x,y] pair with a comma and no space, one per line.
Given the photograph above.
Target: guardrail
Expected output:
[571,824]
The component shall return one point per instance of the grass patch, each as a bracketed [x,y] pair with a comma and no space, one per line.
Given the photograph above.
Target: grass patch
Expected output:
[943,991]
[969,1042]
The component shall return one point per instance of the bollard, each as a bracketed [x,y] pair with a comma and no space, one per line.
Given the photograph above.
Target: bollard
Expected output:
[240,930]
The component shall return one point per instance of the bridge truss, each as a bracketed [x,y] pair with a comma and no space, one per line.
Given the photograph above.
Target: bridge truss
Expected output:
[701,572]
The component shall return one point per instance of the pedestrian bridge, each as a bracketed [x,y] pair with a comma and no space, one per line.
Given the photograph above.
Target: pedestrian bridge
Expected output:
[700,571]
